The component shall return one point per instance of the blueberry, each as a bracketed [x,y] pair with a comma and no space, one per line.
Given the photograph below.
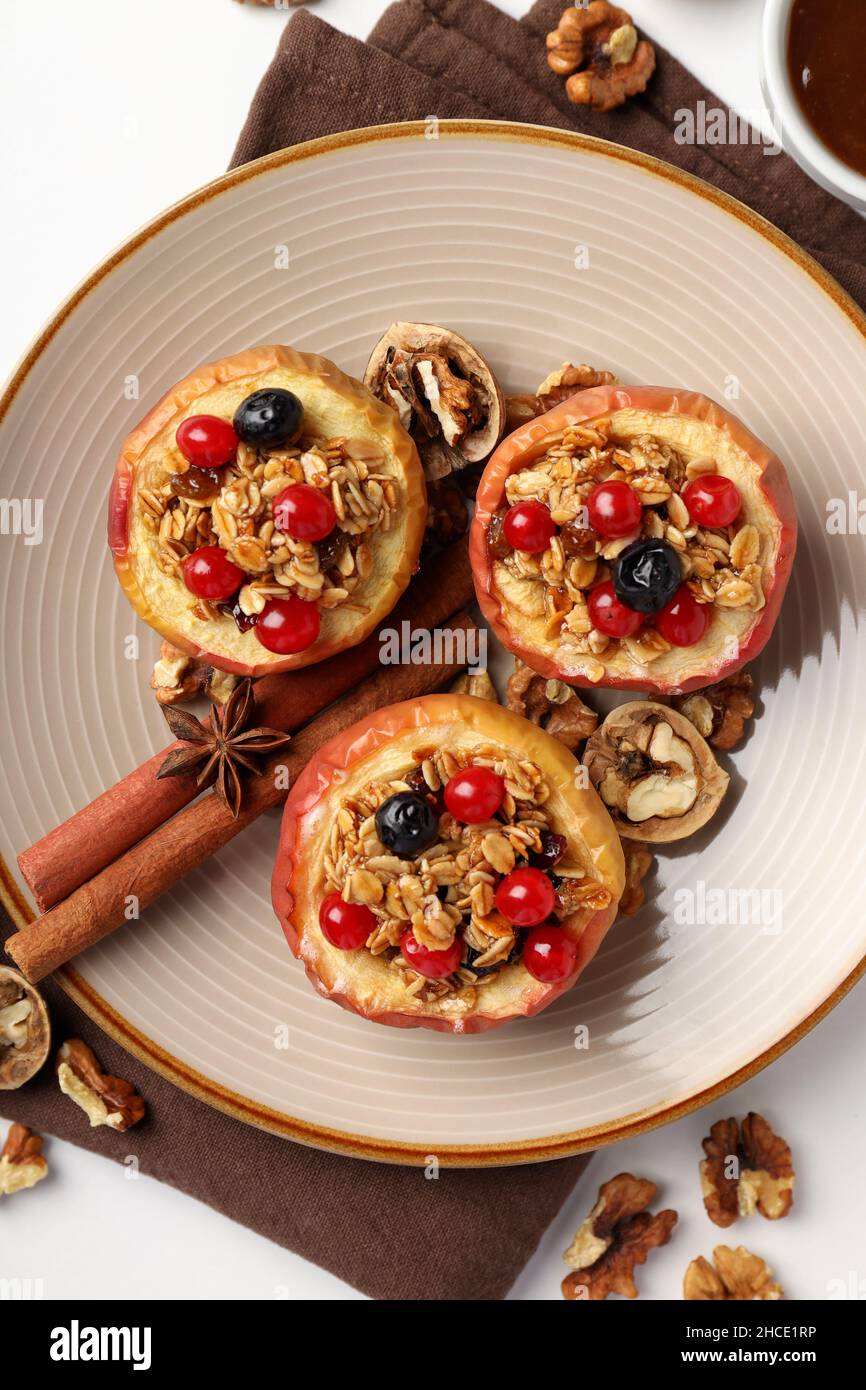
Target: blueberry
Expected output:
[269,419]
[406,824]
[646,575]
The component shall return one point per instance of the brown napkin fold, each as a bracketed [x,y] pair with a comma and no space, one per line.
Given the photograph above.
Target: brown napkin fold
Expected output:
[389,1231]
[466,59]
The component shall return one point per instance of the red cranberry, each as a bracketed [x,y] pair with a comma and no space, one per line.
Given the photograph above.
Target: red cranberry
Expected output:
[683,621]
[474,795]
[304,513]
[614,509]
[528,526]
[608,615]
[435,965]
[206,441]
[549,955]
[210,574]
[712,500]
[525,897]
[346,925]
[288,625]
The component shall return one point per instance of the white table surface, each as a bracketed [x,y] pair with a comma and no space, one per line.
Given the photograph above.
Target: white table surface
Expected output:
[114,112]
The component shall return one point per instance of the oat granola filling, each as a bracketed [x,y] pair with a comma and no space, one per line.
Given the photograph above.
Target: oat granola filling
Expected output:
[233,507]
[445,894]
[720,564]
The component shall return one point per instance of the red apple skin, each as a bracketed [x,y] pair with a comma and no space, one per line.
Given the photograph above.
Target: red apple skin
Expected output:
[530,441]
[229,369]
[297,859]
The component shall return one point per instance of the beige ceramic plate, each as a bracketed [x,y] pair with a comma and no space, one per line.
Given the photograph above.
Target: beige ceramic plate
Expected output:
[539,247]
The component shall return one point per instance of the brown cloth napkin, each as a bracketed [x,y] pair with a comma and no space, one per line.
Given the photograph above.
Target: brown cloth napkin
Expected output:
[389,1231]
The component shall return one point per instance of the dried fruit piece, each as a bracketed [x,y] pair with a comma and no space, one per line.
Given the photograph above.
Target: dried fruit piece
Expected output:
[106,1100]
[21,1161]
[738,1276]
[25,1032]
[600,40]
[747,1168]
[617,1235]
[654,772]
[443,391]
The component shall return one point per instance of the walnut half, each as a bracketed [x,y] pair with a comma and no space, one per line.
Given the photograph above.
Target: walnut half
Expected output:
[21,1161]
[734,1275]
[617,1235]
[597,48]
[654,772]
[747,1168]
[106,1100]
[25,1032]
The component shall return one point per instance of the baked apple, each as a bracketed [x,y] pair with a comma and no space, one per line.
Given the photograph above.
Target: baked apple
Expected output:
[267,513]
[636,537]
[442,866]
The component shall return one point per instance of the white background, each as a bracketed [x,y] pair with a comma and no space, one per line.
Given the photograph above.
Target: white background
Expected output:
[110,112]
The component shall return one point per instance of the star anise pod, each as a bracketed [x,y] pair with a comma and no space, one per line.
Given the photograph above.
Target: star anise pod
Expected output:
[219,753]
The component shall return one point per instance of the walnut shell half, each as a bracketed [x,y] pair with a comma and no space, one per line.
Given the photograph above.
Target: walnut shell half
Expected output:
[654,772]
[444,393]
[25,1032]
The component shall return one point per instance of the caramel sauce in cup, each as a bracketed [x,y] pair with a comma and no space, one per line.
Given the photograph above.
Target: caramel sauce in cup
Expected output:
[826,53]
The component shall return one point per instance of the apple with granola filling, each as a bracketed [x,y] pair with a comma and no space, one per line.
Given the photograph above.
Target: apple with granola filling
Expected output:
[638,537]
[267,513]
[443,865]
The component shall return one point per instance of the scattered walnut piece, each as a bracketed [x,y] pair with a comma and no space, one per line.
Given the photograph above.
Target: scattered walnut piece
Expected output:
[550,704]
[597,48]
[639,860]
[178,678]
[21,1161]
[477,683]
[747,1168]
[106,1100]
[737,1276]
[719,712]
[557,386]
[25,1030]
[617,1235]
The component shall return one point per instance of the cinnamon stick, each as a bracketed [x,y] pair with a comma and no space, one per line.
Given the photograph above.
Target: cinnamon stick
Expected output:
[154,865]
[100,833]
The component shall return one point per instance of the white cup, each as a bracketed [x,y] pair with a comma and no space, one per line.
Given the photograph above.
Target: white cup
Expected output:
[792,127]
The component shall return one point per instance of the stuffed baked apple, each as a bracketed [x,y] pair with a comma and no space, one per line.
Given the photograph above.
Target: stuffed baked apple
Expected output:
[441,866]
[267,513]
[636,537]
